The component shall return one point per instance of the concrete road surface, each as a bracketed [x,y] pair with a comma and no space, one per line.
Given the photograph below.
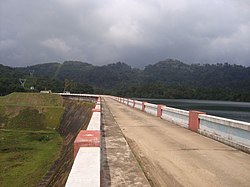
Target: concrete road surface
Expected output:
[174,156]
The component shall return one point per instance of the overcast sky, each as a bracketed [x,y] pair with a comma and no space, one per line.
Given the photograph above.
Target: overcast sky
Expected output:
[137,32]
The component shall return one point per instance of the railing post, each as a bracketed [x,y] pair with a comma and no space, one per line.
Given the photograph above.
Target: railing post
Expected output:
[143,106]
[159,110]
[194,122]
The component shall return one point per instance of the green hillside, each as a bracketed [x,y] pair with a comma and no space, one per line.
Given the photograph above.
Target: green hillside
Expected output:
[168,78]
[31,110]
[29,142]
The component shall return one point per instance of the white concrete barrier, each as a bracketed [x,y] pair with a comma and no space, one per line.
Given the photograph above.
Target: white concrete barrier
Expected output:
[176,116]
[232,132]
[138,105]
[125,101]
[78,95]
[98,107]
[151,109]
[130,102]
[86,168]
[95,121]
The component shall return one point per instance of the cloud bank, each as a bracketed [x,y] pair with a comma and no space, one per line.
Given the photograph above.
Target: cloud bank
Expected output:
[137,32]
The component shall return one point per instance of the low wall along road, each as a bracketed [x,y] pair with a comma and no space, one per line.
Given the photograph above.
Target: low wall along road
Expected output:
[86,168]
[232,132]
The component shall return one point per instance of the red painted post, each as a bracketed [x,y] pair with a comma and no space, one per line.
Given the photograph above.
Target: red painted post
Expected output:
[143,106]
[194,122]
[86,138]
[96,110]
[159,110]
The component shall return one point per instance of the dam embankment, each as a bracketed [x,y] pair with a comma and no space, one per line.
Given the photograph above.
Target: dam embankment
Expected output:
[77,113]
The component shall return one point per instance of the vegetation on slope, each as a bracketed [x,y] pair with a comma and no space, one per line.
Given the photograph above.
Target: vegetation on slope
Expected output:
[29,141]
[20,110]
[25,156]
[75,118]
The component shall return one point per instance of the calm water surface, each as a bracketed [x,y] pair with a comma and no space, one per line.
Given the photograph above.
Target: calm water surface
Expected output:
[227,109]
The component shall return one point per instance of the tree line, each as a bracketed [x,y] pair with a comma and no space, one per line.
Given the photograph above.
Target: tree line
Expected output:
[165,79]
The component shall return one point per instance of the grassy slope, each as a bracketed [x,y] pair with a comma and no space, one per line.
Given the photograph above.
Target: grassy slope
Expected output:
[28,145]
[19,110]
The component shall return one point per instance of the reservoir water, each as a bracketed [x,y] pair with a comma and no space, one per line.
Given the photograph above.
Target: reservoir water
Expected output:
[227,109]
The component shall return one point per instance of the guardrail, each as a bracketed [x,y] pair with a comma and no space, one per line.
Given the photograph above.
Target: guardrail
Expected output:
[231,132]
[176,116]
[78,95]
[151,108]
[87,152]
[131,102]
[139,105]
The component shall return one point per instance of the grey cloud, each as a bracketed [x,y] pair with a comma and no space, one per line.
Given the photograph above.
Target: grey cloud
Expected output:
[137,32]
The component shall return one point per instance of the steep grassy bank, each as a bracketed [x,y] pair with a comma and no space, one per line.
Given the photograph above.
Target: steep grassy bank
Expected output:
[76,117]
[30,142]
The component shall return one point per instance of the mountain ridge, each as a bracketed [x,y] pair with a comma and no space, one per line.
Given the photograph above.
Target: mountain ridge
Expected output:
[121,78]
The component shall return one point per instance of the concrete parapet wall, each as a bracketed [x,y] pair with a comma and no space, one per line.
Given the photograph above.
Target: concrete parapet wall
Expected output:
[138,105]
[98,107]
[151,109]
[176,116]
[125,101]
[232,132]
[86,138]
[131,102]
[78,95]
[95,121]
[86,168]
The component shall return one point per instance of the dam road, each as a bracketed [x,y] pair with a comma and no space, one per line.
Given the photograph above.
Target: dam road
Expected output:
[164,154]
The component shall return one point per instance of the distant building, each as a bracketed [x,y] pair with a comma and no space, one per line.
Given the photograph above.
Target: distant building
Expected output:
[45,91]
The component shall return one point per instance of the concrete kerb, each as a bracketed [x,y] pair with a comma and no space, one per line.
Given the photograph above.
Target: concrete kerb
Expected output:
[86,168]
[87,153]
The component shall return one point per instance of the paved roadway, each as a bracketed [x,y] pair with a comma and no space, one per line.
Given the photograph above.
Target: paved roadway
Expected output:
[174,156]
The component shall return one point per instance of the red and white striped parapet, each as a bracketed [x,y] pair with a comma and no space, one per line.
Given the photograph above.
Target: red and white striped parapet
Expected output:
[86,168]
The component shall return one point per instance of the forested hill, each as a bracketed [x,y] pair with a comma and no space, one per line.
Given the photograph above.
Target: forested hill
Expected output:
[108,77]
[165,79]
[215,75]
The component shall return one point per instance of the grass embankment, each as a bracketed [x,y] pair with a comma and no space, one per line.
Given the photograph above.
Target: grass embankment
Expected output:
[29,142]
